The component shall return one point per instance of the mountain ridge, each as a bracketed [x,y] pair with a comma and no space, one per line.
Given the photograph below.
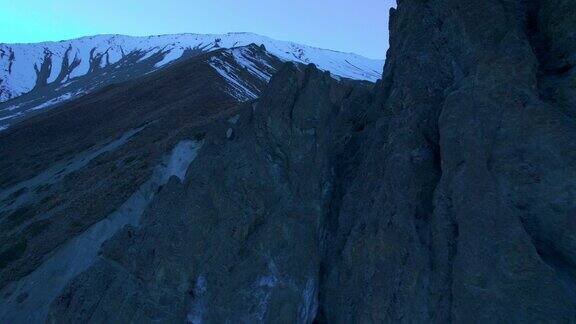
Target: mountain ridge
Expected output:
[21,64]
[188,34]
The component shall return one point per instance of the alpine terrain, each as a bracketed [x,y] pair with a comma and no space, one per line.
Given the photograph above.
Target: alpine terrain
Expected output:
[250,182]
[34,77]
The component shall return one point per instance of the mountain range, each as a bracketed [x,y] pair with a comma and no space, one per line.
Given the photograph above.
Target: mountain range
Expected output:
[37,76]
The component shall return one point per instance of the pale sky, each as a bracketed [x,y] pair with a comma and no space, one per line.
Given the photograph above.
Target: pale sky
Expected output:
[359,26]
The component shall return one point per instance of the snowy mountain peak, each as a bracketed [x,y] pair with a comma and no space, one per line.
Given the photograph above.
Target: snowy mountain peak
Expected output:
[24,67]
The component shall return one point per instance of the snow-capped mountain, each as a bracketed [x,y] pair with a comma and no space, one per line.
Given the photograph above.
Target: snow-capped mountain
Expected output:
[241,73]
[24,67]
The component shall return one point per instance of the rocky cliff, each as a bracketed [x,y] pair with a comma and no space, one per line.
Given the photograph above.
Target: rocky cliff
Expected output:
[444,193]
[463,210]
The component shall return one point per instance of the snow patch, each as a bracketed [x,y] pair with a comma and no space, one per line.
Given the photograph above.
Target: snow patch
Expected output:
[247,61]
[238,88]
[268,281]
[264,286]
[198,307]
[147,54]
[309,306]
[56,67]
[57,100]
[10,108]
[11,116]
[172,55]
[182,155]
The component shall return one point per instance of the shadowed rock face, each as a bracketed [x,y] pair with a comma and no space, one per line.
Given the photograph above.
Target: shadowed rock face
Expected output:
[470,215]
[465,211]
[244,226]
[446,193]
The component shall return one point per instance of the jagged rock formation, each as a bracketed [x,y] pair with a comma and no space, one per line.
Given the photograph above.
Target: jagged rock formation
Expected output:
[444,193]
[466,213]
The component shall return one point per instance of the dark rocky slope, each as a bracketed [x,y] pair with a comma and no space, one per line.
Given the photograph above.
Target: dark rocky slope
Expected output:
[467,212]
[69,171]
[445,194]
[239,239]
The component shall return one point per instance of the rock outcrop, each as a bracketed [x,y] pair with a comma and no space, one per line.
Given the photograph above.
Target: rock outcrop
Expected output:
[465,209]
[244,226]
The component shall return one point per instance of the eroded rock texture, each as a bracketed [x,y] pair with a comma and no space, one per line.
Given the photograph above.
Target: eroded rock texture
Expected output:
[471,183]
[445,194]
